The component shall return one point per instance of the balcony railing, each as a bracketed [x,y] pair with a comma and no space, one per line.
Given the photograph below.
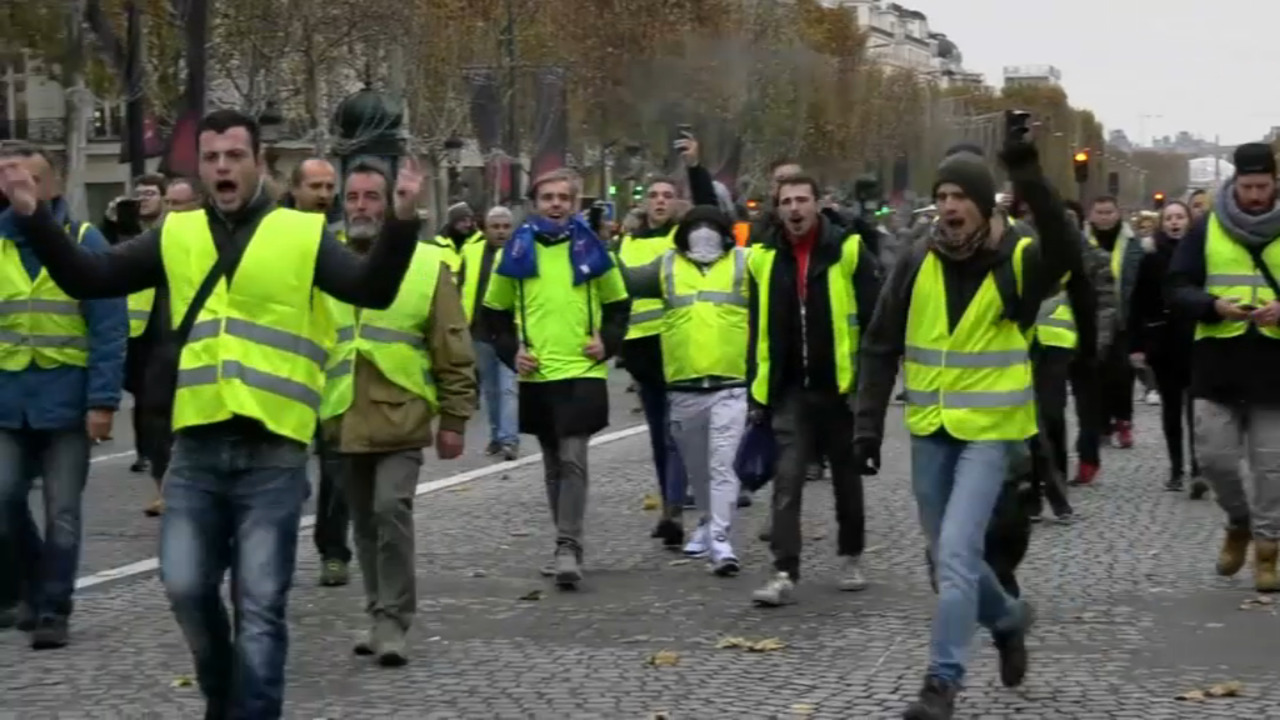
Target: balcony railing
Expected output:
[42,131]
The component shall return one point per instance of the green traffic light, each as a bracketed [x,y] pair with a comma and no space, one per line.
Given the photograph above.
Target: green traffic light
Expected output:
[613,189]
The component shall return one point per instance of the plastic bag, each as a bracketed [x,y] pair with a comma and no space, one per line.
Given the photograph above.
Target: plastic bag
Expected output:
[757,458]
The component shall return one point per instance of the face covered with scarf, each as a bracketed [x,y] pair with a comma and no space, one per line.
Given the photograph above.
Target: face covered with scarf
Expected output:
[705,234]
[964,194]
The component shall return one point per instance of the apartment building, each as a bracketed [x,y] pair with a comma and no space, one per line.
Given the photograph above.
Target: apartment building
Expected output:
[33,109]
[899,36]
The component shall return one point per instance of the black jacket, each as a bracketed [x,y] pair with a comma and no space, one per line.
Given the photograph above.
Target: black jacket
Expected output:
[803,354]
[1224,370]
[1043,264]
[1164,337]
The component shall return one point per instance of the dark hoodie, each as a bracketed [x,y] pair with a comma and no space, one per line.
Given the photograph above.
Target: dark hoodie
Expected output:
[1044,263]
[803,353]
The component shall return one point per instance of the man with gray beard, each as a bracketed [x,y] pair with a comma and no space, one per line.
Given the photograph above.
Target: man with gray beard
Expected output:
[390,374]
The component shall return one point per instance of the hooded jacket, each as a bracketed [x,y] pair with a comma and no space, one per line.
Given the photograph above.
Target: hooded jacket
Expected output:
[1223,370]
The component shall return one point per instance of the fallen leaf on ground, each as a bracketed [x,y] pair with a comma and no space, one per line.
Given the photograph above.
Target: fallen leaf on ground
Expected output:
[765,645]
[182,681]
[459,488]
[682,561]
[803,709]
[650,502]
[1231,688]
[1262,601]
[664,658]
[1227,689]
[532,595]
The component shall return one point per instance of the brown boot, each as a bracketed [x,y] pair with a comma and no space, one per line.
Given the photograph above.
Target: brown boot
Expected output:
[1235,551]
[1264,566]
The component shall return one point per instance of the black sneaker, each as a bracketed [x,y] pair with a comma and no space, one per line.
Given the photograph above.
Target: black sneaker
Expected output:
[492,449]
[671,534]
[1012,646]
[1174,483]
[8,617]
[745,500]
[1199,488]
[937,701]
[50,633]
[139,465]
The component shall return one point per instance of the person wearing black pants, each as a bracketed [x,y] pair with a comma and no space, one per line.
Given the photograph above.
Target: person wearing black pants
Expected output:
[332,519]
[1162,341]
[1051,368]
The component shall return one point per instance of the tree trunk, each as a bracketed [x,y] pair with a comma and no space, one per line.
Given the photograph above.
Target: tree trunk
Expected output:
[78,101]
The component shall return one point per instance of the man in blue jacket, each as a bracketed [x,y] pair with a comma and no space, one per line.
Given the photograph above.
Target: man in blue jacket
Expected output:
[61,367]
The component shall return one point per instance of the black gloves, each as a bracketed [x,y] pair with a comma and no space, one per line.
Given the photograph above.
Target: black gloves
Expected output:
[866,456]
[1019,154]
[757,414]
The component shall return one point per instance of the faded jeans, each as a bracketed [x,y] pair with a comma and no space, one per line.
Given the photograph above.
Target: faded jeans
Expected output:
[46,569]
[956,484]
[233,501]
[498,389]
[1223,435]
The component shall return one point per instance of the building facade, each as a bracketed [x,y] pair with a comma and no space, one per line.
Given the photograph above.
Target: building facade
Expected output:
[1032,75]
[900,37]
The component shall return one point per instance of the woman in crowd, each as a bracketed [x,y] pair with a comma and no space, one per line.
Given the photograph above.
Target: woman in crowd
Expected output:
[1161,341]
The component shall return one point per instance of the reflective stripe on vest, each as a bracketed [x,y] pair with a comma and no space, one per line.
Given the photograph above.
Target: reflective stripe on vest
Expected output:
[394,339]
[140,304]
[845,332]
[472,262]
[634,252]
[704,330]
[259,345]
[39,323]
[1056,323]
[975,383]
[1230,273]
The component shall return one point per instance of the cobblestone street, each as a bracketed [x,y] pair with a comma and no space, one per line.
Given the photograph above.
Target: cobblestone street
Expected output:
[1130,615]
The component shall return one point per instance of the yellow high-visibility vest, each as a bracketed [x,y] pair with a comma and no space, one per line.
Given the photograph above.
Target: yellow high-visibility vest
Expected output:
[974,383]
[472,259]
[39,323]
[140,305]
[260,343]
[1230,273]
[704,329]
[452,255]
[394,339]
[1056,321]
[845,332]
[634,252]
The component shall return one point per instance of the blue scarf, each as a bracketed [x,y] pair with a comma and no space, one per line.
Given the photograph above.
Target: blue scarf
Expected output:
[589,257]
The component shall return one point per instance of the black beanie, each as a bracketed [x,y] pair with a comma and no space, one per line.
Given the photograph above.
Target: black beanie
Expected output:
[970,172]
[1255,159]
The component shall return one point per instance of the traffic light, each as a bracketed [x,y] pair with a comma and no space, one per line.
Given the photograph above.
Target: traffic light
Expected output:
[1081,163]
[613,190]
[1157,200]
[637,192]
[753,204]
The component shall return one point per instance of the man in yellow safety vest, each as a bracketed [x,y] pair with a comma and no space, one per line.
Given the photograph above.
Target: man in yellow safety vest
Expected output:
[252,338]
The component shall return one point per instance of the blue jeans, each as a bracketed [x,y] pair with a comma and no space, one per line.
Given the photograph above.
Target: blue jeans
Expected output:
[672,482]
[46,572]
[498,387]
[956,485]
[233,501]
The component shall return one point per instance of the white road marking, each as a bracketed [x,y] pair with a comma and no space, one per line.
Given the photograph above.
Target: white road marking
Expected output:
[424,488]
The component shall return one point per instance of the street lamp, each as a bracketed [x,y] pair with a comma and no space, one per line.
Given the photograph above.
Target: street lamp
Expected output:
[453,156]
[271,127]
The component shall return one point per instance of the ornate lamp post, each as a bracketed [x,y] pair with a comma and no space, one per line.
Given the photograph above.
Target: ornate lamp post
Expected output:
[369,123]
[453,157]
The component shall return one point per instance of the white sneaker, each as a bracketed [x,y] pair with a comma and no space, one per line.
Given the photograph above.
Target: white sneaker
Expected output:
[724,561]
[1153,397]
[777,592]
[699,544]
[851,578]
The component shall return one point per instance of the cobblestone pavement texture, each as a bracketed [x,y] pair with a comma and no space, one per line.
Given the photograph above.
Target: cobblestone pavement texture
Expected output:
[1130,612]
[117,533]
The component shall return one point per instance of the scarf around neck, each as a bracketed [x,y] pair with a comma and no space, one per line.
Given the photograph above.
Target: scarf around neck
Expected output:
[964,247]
[1252,231]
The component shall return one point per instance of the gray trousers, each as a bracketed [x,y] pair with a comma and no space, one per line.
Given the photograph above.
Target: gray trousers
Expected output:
[1226,435]
[380,488]
[564,462]
[707,427]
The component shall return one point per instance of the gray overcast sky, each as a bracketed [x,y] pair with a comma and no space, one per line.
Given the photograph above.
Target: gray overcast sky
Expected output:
[1206,67]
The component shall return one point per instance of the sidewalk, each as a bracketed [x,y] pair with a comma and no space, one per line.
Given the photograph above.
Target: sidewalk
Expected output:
[1130,616]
